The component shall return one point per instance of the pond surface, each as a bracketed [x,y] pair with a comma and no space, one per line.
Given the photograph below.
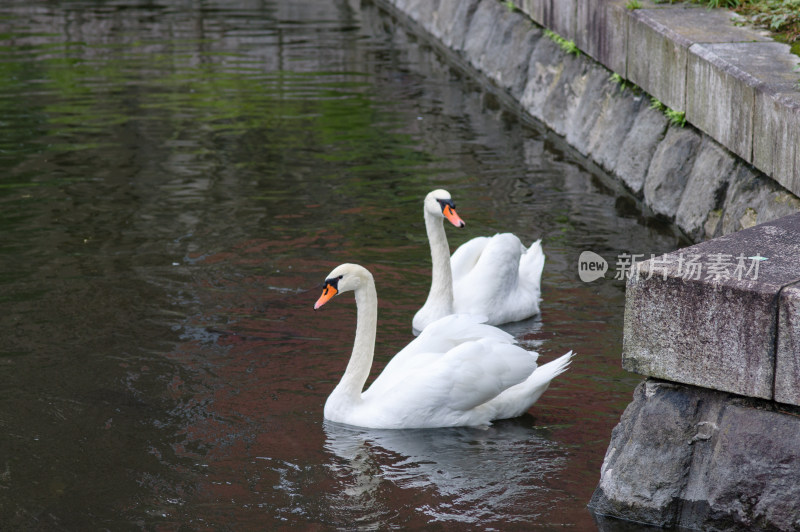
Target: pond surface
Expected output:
[176,181]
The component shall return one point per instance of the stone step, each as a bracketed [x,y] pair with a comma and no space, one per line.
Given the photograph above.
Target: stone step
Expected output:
[723,314]
[735,83]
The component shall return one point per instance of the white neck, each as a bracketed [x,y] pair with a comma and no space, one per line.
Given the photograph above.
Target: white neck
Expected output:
[352,383]
[441,294]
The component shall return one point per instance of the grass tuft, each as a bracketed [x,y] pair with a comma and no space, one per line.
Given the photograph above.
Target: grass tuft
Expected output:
[566,45]
[675,117]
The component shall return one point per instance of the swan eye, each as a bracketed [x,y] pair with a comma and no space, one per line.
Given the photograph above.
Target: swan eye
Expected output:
[333,281]
[445,202]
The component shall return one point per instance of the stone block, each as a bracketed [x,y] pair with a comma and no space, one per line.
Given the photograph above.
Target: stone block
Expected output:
[787,361]
[555,81]
[619,110]
[706,188]
[499,44]
[602,33]
[701,460]
[556,15]
[655,62]
[587,111]
[659,42]
[669,170]
[776,135]
[451,20]
[720,97]
[482,26]
[639,145]
[751,199]
[707,315]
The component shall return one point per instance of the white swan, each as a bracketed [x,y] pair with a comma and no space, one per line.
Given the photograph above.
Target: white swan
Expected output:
[458,372]
[496,277]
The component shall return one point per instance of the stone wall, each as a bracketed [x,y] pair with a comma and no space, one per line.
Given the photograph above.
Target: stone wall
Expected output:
[702,459]
[680,173]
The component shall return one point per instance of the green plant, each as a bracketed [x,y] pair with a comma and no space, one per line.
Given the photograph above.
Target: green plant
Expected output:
[619,80]
[510,5]
[676,117]
[633,4]
[566,45]
[655,104]
[781,16]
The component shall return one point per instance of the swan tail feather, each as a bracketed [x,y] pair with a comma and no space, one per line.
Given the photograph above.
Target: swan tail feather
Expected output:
[531,263]
[518,399]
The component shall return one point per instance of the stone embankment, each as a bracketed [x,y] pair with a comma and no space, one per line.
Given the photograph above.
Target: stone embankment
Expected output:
[691,175]
[710,439]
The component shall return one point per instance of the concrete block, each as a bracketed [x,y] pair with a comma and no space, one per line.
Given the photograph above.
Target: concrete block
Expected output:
[669,170]
[776,135]
[705,190]
[557,15]
[707,315]
[787,360]
[720,97]
[655,62]
[659,42]
[639,145]
[602,33]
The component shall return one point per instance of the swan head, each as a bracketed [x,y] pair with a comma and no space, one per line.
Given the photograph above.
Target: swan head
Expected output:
[440,204]
[343,278]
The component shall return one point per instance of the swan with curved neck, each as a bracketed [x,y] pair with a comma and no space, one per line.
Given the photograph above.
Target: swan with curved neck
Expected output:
[458,372]
[496,277]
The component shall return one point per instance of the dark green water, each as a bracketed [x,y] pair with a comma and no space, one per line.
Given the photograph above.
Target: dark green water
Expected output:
[177,179]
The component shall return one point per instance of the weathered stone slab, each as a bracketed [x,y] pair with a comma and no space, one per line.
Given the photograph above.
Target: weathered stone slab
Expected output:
[557,15]
[555,82]
[587,111]
[659,41]
[787,363]
[752,198]
[669,170]
[482,26]
[602,33]
[689,457]
[706,315]
[450,21]
[720,98]
[641,142]
[619,110]
[776,136]
[499,43]
[705,190]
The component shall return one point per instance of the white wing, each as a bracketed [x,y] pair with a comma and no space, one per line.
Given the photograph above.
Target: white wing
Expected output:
[433,343]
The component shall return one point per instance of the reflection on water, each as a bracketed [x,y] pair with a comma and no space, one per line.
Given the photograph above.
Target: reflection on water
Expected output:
[177,178]
[480,476]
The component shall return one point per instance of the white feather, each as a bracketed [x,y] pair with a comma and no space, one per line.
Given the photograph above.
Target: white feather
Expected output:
[496,277]
[458,372]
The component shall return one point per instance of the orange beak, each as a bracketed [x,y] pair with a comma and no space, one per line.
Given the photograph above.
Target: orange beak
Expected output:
[327,293]
[450,214]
